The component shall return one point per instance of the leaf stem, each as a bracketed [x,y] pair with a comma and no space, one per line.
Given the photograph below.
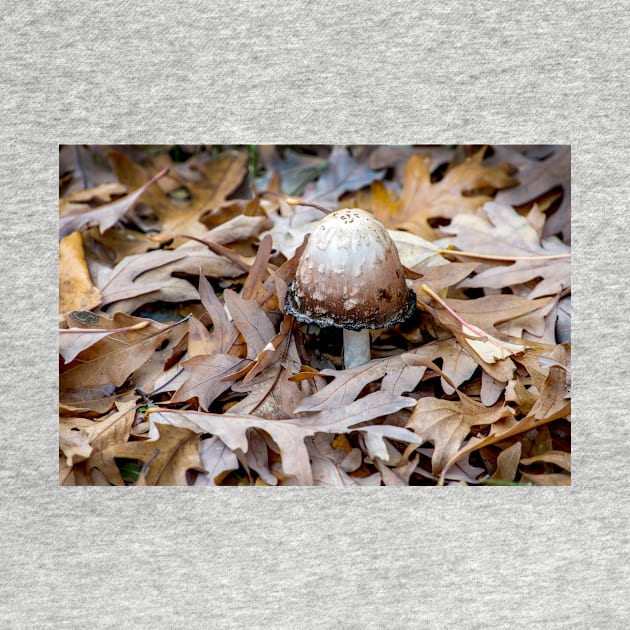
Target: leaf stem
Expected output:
[454,252]
[137,326]
[296,201]
[429,291]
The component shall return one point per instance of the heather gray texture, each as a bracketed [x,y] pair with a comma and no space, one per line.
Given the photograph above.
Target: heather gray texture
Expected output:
[172,71]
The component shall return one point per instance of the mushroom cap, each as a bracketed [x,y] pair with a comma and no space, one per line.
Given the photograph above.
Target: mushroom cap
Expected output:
[350,275]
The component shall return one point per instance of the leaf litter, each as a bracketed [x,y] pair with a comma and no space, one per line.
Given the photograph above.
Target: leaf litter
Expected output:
[179,366]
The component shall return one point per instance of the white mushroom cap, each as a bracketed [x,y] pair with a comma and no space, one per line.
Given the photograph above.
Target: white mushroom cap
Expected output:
[350,275]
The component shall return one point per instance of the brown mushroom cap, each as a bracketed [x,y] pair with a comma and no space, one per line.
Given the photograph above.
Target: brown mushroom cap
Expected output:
[350,275]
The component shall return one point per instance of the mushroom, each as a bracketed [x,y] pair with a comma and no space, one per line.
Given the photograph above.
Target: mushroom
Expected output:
[350,276]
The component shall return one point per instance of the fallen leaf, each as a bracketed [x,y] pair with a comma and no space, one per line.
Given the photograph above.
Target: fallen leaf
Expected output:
[507,463]
[74,441]
[177,452]
[112,359]
[505,233]
[108,433]
[86,440]
[485,346]
[205,378]
[480,317]
[536,177]
[559,458]
[552,479]
[118,241]
[398,476]
[552,404]
[224,333]
[399,376]
[287,434]
[442,276]
[216,180]
[79,200]
[397,156]
[342,174]
[217,460]
[251,321]
[457,192]
[148,277]
[86,329]
[447,423]
[295,169]
[106,215]
[76,289]
[82,167]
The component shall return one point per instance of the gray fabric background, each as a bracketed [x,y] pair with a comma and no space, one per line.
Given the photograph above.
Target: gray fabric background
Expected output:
[383,72]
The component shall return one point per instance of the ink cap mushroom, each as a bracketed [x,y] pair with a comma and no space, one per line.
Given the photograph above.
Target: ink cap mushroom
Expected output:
[350,276]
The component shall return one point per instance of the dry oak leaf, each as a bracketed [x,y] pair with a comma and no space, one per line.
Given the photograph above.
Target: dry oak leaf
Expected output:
[200,342]
[396,157]
[76,289]
[85,329]
[559,458]
[215,179]
[537,177]
[458,192]
[399,373]
[119,241]
[81,167]
[501,231]
[551,479]
[171,451]
[331,475]
[217,460]
[113,430]
[208,376]
[104,193]
[112,359]
[507,463]
[97,436]
[447,423]
[271,390]
[224,333]
[293,168]
[443,276]
[288,230]
[485,314]
[552,403]
[106,215]
[148,277]
[74,441]
[289,434]
[344,173]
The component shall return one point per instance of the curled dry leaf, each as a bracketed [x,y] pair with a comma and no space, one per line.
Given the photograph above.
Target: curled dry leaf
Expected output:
[170,454]
[504,233]
[553,403]
[507,463]
[149,277]
[76,289]
[113,358]
[106,215]
[343,173]
[287,434]
[537,177]
[446,424]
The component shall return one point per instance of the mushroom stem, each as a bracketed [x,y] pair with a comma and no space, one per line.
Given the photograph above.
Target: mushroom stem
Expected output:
[356,347]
